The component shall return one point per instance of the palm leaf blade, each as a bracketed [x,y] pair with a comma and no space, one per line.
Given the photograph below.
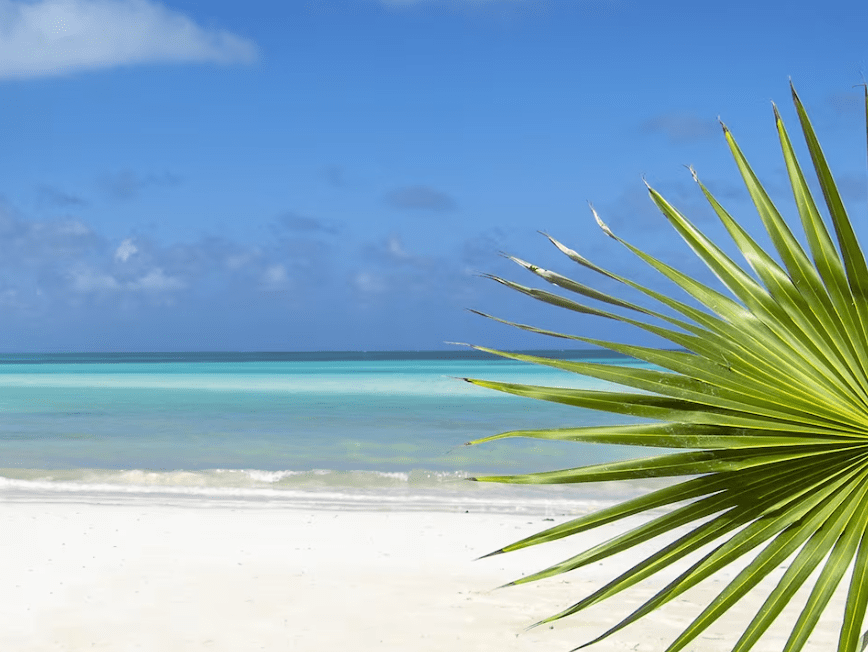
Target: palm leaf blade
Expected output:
[722,494]
[783,527]
[766,396]
[697,390]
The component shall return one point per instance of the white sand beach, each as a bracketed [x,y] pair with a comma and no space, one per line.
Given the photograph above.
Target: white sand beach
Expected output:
[203,574]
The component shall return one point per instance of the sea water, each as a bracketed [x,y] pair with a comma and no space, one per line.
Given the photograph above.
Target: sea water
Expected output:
[278,425]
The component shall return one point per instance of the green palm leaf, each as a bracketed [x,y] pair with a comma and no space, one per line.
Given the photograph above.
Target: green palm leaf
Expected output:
[767,393]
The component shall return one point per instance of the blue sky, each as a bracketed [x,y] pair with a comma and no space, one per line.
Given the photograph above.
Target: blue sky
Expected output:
[334,174]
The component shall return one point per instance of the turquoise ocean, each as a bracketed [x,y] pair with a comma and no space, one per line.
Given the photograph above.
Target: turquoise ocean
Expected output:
[281,426]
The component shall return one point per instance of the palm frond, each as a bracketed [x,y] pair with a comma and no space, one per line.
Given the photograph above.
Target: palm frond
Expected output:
[766,393]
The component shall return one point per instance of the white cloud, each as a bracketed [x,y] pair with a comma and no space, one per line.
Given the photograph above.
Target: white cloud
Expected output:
[86,280]
[73,228]
[237,261]
[275,277]
[51,37]
[369,283]
[125,250]
[395,248]
[157,281]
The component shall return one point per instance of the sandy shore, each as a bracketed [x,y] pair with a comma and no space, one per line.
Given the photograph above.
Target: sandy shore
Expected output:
[210,575]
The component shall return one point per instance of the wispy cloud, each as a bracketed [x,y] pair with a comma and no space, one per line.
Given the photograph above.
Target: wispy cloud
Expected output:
[481,249]
[302,224]
[156,280]
[334,175]
[275,277]
[83,279]
[48,266]
[127,184]
[54,196]
[487,8]
[420,198]
[392,252]
[389,266]
[681,127]
[125,250]
[368,282]
[400,3]
[52,37]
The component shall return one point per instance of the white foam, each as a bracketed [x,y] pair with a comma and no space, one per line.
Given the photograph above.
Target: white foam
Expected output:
[264,476]
[418,490]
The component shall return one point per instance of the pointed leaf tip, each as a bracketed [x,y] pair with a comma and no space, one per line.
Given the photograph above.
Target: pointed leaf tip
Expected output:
[523,263]
[601,223]
[534,626]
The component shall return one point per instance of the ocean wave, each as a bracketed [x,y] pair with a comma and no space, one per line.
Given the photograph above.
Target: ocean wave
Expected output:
[238,478]
[416,489]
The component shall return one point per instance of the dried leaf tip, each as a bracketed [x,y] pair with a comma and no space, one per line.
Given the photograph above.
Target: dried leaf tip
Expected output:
[523,263]
[554,242]
[601,223]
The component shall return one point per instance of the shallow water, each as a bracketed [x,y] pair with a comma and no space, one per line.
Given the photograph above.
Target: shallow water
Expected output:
[247,423]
